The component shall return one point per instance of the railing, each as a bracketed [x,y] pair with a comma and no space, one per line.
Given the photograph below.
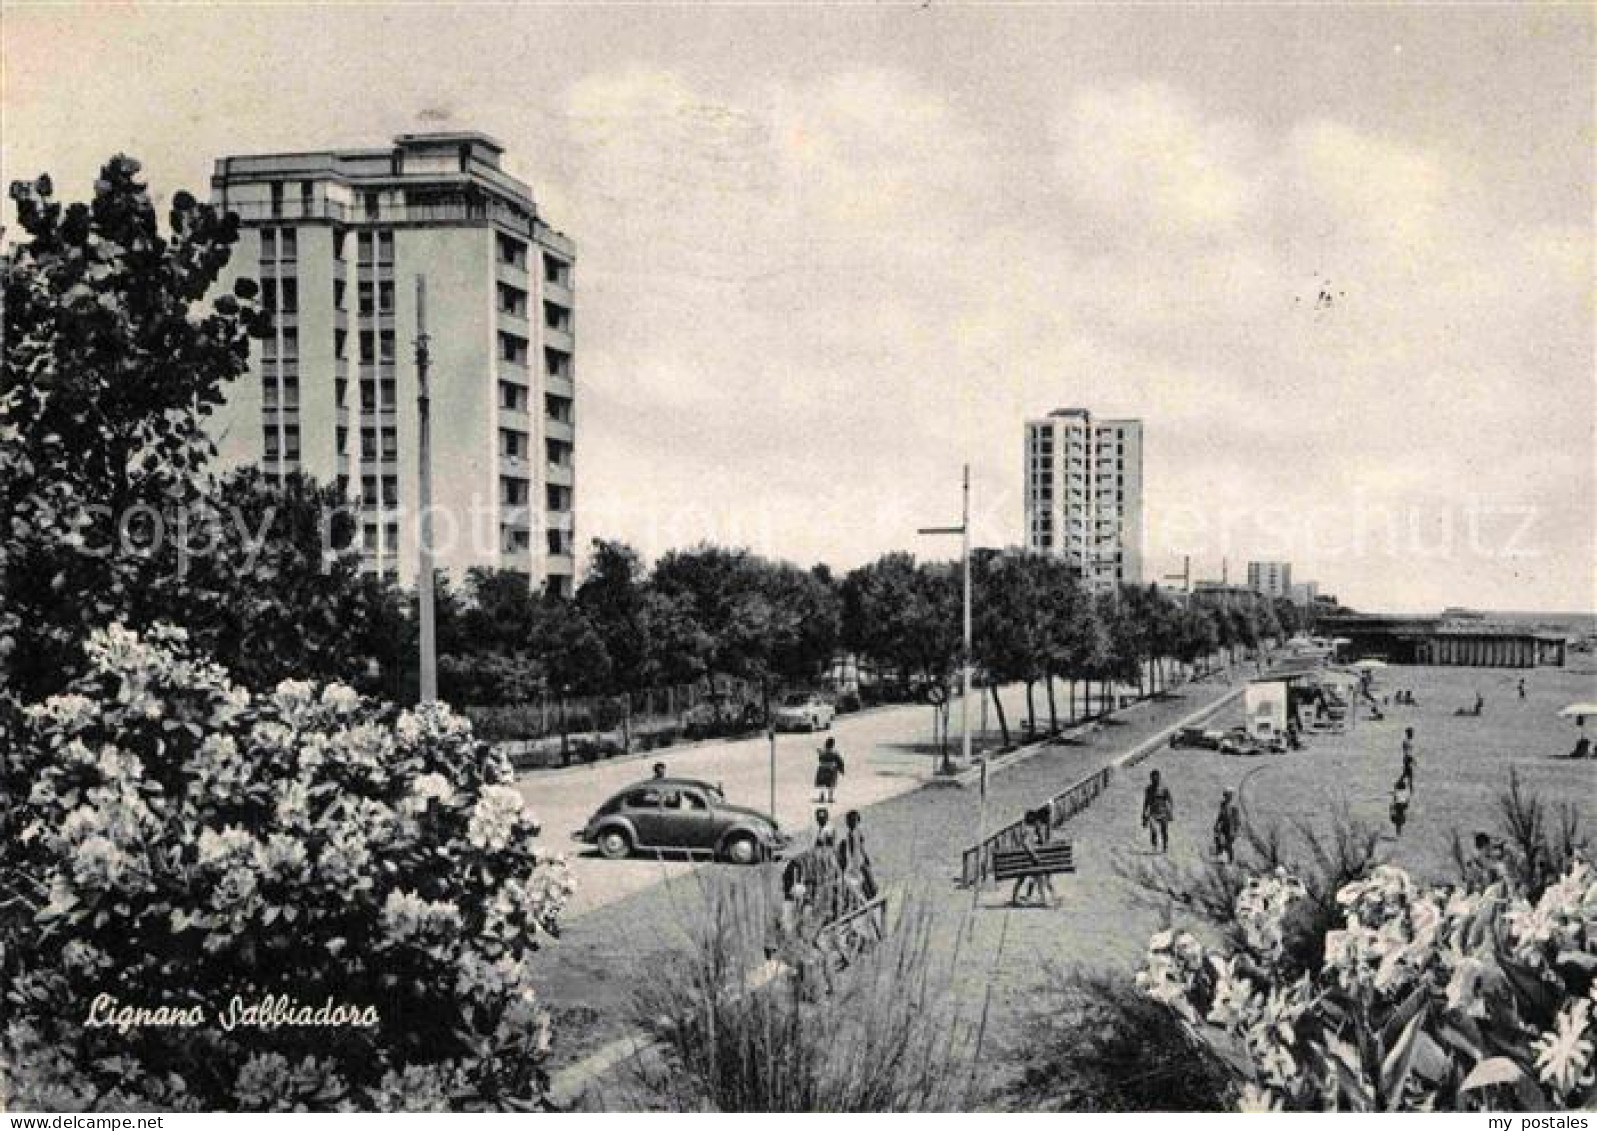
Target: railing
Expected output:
[977,863]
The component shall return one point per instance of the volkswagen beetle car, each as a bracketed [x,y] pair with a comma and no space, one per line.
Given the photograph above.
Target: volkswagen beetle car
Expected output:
[681,816]
[803,711]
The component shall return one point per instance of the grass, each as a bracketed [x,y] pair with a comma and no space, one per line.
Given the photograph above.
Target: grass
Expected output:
[750,1018]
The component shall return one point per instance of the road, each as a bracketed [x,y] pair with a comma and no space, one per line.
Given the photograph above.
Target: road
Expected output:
[888,751]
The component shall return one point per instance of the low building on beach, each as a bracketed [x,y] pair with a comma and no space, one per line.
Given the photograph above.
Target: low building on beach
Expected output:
[1471,642]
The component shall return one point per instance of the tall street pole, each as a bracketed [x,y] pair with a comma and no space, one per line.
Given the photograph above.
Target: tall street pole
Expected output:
[424,492]
[964,702]
[963,530]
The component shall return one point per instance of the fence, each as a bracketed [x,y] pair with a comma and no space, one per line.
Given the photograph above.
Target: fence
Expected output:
[977,863]
[546,716]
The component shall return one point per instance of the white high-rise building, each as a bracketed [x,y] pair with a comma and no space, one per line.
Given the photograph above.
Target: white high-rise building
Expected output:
[1272,579]
[337,240]
[1084,494]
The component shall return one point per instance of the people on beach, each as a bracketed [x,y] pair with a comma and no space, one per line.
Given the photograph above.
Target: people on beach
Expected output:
[1227,825]
[1480,703]
[1399,810]
[829,767]
[854,859]
[1158,810]
[1582,748]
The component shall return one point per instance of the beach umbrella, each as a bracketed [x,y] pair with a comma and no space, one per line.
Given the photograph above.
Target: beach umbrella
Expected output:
[1578,712]
[1367,665]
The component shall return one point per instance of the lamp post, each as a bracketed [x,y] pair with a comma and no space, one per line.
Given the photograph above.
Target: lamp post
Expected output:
[963,530]
[424,493]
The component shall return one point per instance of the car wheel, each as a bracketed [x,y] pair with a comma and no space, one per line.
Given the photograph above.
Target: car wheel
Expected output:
[614,844]
[743,850]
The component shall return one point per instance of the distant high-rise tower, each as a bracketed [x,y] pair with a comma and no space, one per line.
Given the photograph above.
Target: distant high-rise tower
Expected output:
[1273,579]
[336,240]
[1084,494]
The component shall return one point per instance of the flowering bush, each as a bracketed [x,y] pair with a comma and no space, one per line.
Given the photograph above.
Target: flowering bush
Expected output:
[1428,999]
[294,900]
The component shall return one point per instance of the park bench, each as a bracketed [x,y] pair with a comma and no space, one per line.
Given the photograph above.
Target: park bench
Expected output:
[1036,863]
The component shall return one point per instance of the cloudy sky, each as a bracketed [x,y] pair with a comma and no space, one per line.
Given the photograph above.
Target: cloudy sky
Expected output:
[1338,259]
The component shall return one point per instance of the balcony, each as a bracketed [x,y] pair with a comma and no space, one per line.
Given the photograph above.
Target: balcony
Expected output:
[560,386]
[558,292]
[512,323]
[563,564]
[517,515]
[559,339]
[515,419]
[559,474]
[559,430]
[513,273]
[515,372]
[519,467]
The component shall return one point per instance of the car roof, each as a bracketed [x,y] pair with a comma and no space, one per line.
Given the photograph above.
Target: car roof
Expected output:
[659,783]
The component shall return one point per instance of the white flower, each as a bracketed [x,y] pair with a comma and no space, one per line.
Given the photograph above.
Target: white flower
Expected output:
[426,789]
[340,698]
[1563,1056]
[493,818]
[408,917]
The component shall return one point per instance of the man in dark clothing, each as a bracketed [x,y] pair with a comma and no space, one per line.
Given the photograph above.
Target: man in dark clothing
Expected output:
[1227,824]
[1158,810]
[659,770]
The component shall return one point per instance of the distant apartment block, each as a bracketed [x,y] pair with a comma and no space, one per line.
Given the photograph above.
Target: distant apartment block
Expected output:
[1304,593]
[1083,494]
[337,240]
[1272,579]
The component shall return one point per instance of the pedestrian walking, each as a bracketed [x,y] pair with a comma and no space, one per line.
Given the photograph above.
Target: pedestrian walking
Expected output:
[1399,810]
[854,858]
[1407,775]
[1227,824]
[829,767]
[1158,810]
[825,831]
[1522,687]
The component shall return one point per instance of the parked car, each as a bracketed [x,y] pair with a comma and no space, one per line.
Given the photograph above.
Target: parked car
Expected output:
[1239,741]
[681,816]
[1198,738]
[803,711]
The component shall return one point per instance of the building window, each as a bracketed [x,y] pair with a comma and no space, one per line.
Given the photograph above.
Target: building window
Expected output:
[513,398]
[368,396]
[374,205]
[390,490]
[512,349]
[385,344]
[291,393]
[390,444]
[513,491]
[556,272]
[368,347]
[385,297]
[289,248]
[363,248]
[368,444]
[290,296]
[291,442]
[340,344]
[339,287]
[365,299]
[290,344]
[557,317]
[307,197]
[512,444]
[268,244]
[277,199]
[339,236]
[269,295]
[385,247]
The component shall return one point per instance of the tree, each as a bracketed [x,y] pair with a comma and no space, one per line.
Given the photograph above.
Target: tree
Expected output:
[111,365]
